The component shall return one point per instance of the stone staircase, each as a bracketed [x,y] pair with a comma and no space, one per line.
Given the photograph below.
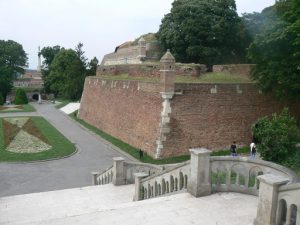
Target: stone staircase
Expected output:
[109,204]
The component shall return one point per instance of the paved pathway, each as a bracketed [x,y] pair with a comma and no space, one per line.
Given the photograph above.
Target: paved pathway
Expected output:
[75,171]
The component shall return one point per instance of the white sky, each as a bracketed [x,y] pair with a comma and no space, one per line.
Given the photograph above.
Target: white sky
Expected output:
[100,25]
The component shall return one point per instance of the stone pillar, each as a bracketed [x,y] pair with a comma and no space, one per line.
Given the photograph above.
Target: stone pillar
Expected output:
[199,182]
[138,185]
[94,178]
[268,198]
[119,176]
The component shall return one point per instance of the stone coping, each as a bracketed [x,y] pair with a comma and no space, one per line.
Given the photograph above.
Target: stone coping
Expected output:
[290,187]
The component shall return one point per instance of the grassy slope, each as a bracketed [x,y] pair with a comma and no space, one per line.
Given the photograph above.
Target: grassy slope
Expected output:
[134,151]
[60,145]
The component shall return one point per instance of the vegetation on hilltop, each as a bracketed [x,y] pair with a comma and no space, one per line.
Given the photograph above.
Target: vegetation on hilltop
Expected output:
[208,32]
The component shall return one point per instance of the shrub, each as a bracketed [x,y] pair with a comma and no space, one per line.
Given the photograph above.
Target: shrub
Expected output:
[20,97]
[1,99]
[277,137]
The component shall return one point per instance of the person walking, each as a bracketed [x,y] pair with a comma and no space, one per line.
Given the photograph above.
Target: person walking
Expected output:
[252,150]
[233,149]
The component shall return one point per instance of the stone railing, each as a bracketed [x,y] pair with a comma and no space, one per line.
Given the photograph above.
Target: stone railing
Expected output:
[238,174]
[123,172]
[288,205]
[278,201]
[103,178]
[168,181]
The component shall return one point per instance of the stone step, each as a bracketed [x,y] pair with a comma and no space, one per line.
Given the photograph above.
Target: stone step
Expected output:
[110,205]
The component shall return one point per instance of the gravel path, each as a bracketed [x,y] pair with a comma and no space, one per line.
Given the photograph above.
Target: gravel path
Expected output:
[75,171]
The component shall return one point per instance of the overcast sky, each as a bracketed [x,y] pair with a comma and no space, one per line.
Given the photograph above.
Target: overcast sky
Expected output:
[99,24]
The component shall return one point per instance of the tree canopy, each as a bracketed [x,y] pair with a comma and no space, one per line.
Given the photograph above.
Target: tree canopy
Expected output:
[13,59]
[48,54]
[204,31]
[67,74]
[276,51]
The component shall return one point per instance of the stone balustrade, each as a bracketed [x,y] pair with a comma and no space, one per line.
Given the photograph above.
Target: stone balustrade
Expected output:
[168,181]
[103,178]
[123,172]
[239,174]
[288,205]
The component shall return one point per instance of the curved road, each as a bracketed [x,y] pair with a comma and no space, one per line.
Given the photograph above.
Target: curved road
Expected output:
[75,171]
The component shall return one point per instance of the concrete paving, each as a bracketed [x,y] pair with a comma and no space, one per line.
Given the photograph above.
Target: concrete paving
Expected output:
[113,205]
[75,171]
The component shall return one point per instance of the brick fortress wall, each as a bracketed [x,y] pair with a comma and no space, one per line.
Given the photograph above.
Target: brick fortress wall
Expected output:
[214,115]
[202,115]
[127,110]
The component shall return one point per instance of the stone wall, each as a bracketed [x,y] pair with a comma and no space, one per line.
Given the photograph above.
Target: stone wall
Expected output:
[127,110]
[236,69]
[202,115]
[150,69]
[212,116]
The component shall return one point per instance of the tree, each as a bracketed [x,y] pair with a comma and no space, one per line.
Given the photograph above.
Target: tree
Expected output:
[1,99]
[48,54]
[67,74]
[92,67]
[21,97]
[276,52]
[13,59]
[277,137]
[205,31]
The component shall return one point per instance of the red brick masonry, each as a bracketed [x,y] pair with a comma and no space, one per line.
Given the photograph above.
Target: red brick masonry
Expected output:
[203,115]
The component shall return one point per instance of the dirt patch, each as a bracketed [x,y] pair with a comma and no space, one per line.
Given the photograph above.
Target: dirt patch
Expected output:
[30,128]
[10,131]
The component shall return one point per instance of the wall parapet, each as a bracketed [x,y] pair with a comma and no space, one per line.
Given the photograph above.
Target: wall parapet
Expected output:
[150,69]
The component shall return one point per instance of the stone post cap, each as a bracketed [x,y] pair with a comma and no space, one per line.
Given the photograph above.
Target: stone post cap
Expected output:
[200,151]
[272,179]
[167,58]
[118,159]
[140,175]
[95,173]
[142,40]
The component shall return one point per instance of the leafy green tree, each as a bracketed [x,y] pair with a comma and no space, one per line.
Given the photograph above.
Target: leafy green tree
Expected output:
[21,97]
[204,31]
[13,59]
[92,67]
[276,51]
[277,137]
[67,74]
[48,54]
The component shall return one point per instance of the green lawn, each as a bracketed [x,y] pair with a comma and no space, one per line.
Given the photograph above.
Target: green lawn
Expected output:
[24,108]
[60,145]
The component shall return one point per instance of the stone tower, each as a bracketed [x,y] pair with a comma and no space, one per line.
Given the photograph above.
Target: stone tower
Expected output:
[39,67]
[142,48]
[167,72]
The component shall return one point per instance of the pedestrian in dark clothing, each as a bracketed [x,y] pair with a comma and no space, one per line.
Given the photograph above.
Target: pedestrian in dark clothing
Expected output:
[233,149]
[141,153]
